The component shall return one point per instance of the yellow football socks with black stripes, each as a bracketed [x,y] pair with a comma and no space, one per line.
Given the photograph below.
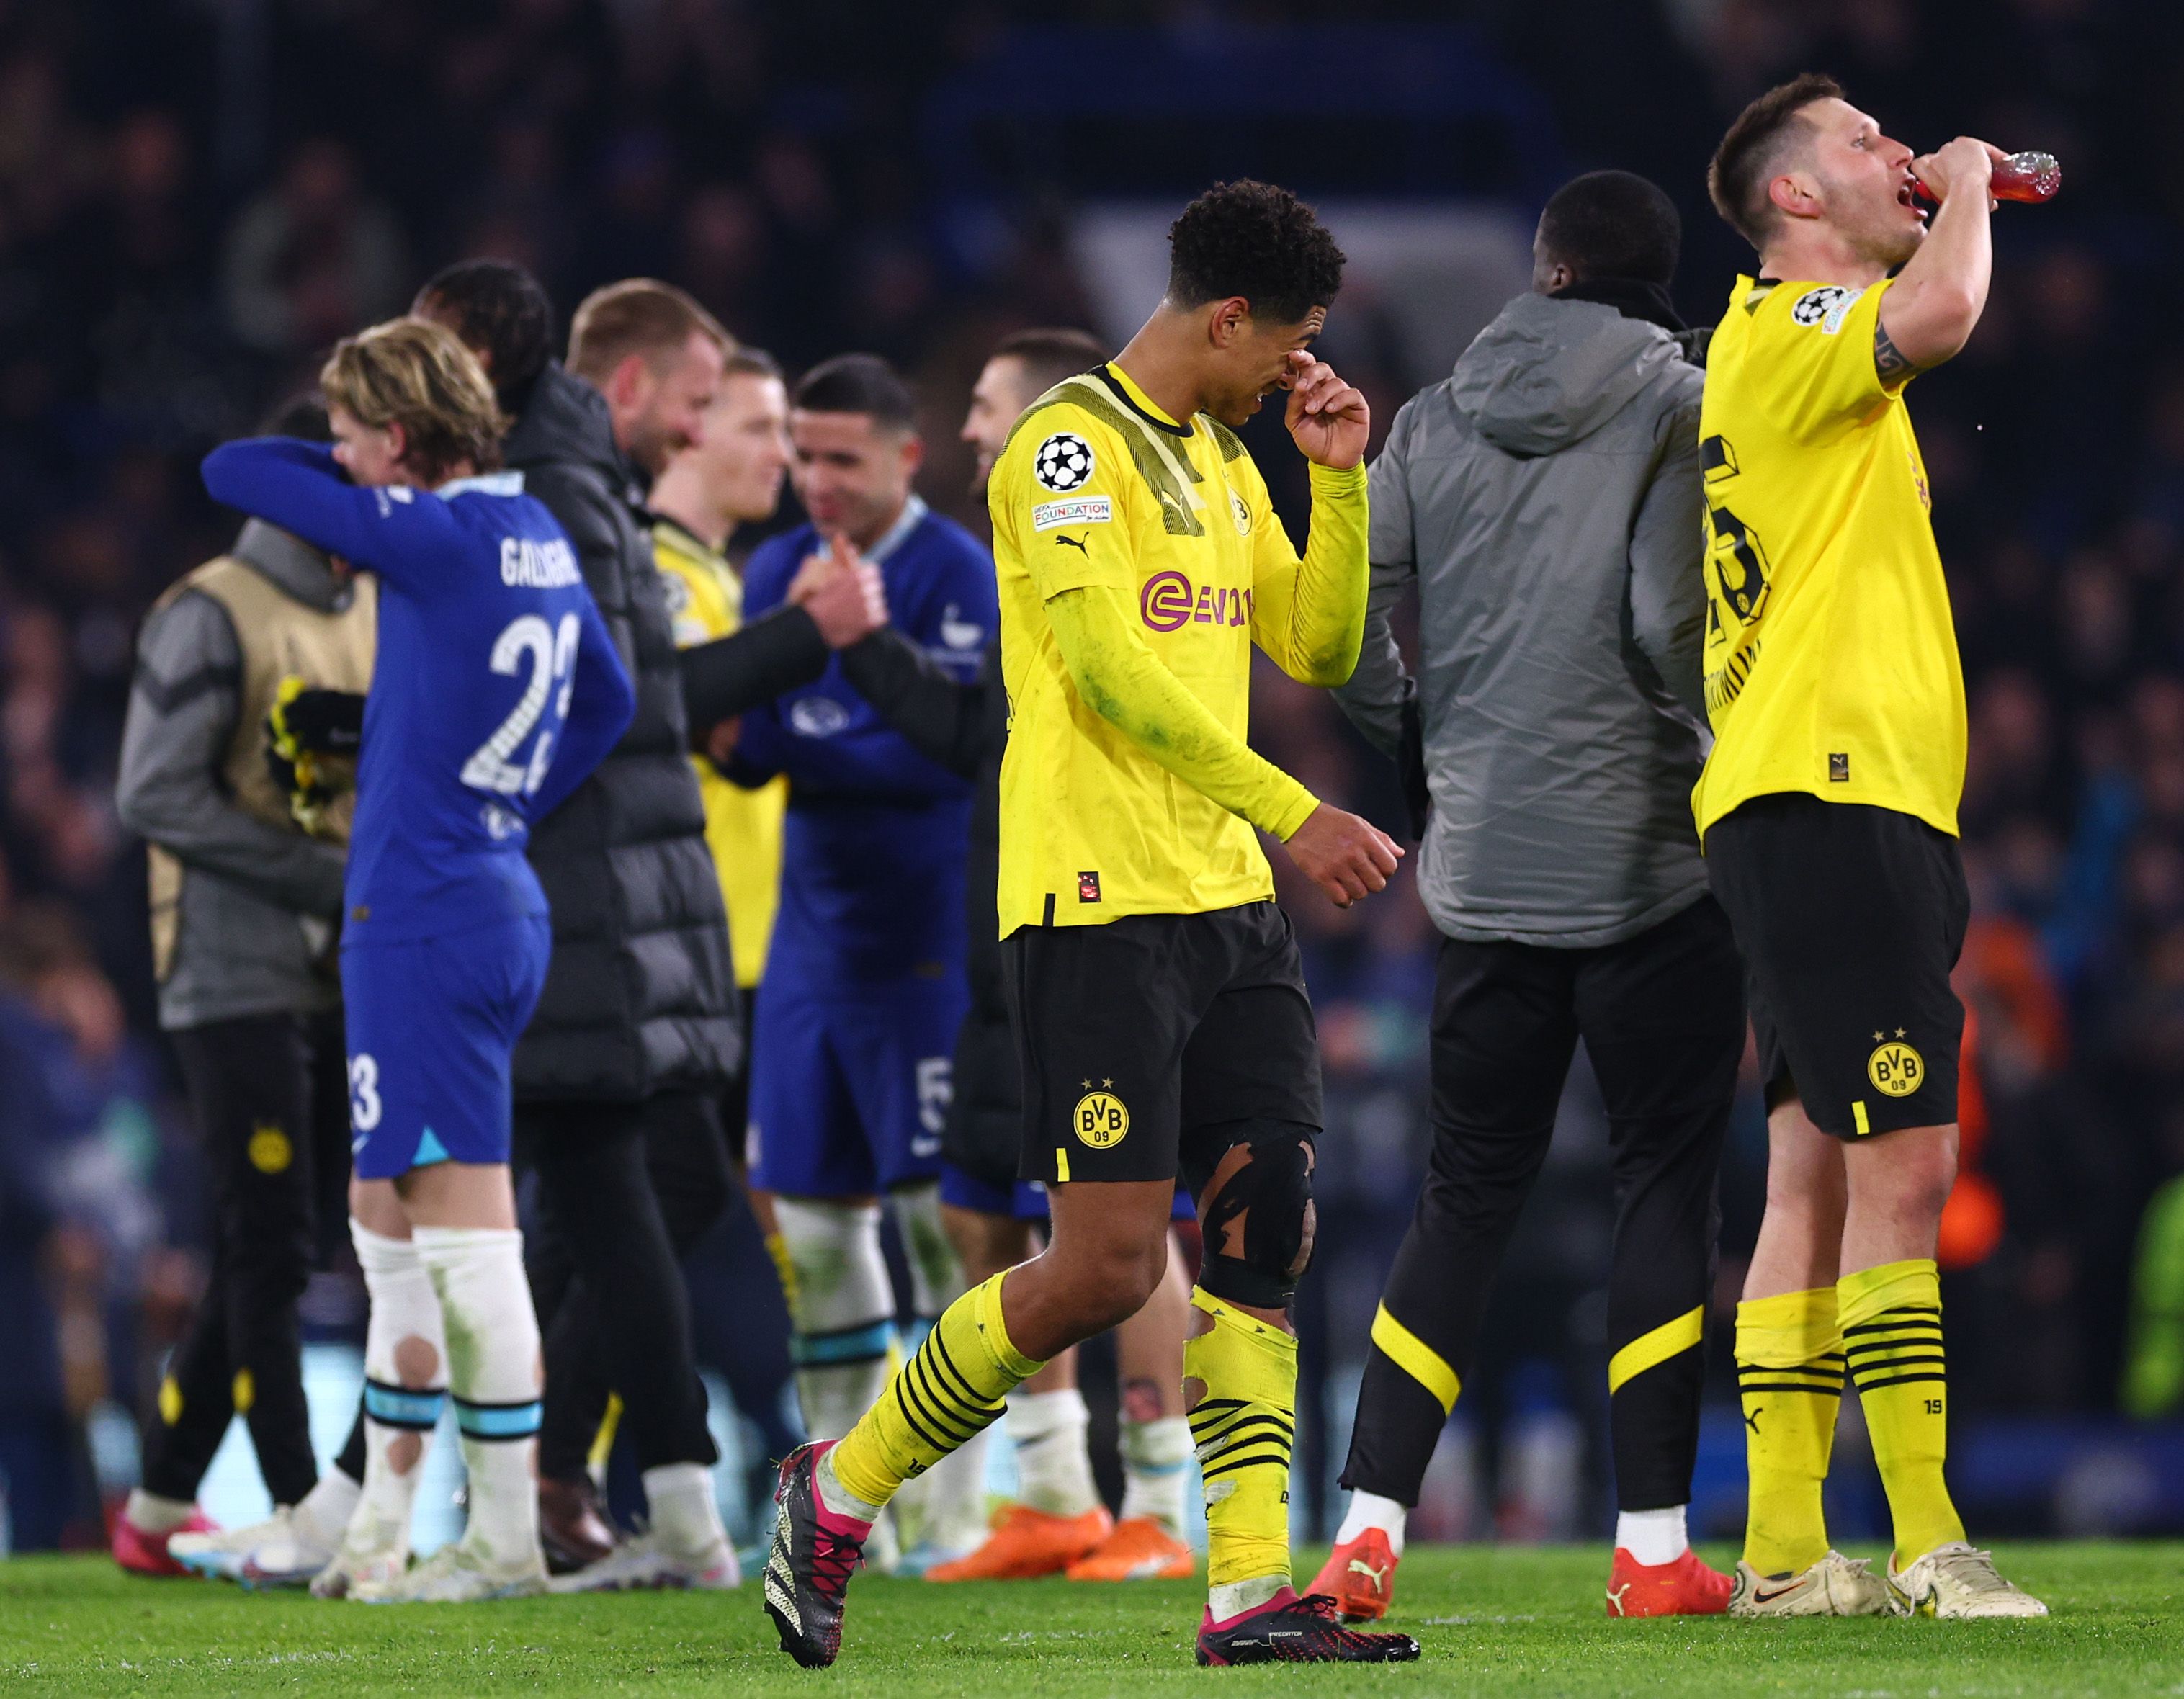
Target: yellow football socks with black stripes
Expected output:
[1892,1331]
[952,1388]
[1244,1425]
[1790,1377]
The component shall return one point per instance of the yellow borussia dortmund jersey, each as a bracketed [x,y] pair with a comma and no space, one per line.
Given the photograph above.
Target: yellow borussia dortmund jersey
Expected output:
[742,827]
[1830,653]
[1098,487]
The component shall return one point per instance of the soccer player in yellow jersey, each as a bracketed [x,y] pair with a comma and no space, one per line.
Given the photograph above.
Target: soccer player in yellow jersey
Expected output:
[733,476]
[1160,1009]
[1828,813]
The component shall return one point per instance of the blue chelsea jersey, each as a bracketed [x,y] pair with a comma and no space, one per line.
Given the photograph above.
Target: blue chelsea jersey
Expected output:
[496,689]
[872,883]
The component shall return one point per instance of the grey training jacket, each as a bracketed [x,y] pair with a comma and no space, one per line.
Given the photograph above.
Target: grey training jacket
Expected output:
[1547,497]
[258,906]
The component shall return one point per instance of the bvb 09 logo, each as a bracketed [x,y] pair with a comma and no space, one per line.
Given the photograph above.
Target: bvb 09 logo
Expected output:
[1896,1070]
[1101,1120]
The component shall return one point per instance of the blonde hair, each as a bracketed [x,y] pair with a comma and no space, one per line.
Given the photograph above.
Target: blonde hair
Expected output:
[417,373]
[639,315]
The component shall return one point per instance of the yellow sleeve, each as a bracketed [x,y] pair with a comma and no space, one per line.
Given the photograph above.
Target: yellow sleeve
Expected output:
[696,599]
[1057,495]
[1309,614]
[1811,367]
[1123,681]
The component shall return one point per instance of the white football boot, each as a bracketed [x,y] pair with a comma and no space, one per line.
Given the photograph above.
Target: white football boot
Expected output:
[1836,1586]
[1958,1581]
[646,1562]
[283,1551]
[456,1575]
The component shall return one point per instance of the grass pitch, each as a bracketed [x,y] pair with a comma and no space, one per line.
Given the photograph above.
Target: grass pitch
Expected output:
[1504,1623]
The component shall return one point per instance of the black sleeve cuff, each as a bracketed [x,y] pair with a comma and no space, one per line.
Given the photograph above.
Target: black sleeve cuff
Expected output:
[734,674]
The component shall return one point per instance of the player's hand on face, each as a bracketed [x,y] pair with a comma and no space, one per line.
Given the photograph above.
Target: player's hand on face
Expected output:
[1964,164]
[1328,417]
[849,601]
[1346,857]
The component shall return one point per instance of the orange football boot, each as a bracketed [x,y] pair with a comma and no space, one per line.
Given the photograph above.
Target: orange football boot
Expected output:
[1027,1543]
[1360,1577]
[1138,1550]
[1685,1588]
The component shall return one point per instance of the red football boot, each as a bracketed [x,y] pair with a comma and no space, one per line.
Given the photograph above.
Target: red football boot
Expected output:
[143,1552]
[1360,1577]
[1684,1588]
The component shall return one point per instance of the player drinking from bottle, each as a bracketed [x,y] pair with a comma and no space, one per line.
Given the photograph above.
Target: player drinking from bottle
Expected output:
[496,689]
[1159,1005]
[1828,813]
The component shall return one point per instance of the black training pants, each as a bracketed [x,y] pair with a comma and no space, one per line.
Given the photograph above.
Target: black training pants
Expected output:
[1662,1015]
[272,1098]
[605,1273]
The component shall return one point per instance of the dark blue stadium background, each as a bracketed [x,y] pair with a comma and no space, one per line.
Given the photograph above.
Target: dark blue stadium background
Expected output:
[195,198]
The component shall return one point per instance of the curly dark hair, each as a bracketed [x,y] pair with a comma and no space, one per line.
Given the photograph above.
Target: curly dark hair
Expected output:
[1254,240]
[502,314]
[1613,223]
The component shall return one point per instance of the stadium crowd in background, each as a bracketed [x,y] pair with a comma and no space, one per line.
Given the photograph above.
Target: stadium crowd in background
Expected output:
[193,210]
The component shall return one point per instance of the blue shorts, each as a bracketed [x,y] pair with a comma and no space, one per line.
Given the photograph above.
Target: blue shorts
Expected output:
[431,1025]
[1020,1200]
[850,1089]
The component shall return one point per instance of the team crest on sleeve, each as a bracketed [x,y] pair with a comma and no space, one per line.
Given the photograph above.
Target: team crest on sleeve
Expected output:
[1826,306]
[1064,461]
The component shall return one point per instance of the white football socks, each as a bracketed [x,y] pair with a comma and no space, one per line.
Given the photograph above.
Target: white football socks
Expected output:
[1054,1469]
[843,1309]
[945,1506]
[1156,1470]
[495,1377]
[154,1514]
[405,1368]
[686,1518]
[1653,1536]
[953,1499]
[1370,1510]
[324,1512]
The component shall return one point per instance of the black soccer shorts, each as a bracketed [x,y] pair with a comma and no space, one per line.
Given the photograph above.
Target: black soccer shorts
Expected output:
[1849,919]
[1137,1036]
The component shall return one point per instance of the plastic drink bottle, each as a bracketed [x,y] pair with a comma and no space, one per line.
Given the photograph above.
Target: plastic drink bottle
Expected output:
[2028,176]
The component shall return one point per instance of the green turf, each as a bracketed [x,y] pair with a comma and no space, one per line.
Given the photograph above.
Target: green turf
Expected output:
[1494,1622]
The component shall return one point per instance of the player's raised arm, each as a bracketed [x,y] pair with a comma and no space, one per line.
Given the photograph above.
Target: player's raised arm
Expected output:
[1308,615]
[298,486]
[1937,298]
[403,428]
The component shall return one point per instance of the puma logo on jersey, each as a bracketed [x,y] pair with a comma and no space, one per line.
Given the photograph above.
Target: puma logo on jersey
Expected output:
[1076,543]
[1379,1577]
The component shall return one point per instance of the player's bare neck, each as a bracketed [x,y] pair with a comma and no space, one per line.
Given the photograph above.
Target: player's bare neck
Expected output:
[1166,359]
[1813,252]
[670,499]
